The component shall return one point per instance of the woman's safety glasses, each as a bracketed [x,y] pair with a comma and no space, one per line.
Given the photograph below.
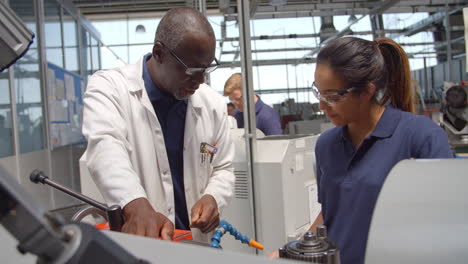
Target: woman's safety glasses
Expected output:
[331,97]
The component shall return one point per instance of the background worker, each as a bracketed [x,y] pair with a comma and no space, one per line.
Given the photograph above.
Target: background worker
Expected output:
[231,109]
[267,119]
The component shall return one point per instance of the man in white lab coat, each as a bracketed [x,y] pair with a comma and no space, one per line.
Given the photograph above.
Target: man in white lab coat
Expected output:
[158,137]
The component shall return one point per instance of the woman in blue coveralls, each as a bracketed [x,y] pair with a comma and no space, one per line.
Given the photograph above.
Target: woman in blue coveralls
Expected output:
[365,90]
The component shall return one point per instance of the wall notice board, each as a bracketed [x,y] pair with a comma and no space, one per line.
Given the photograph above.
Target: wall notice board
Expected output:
[65,106]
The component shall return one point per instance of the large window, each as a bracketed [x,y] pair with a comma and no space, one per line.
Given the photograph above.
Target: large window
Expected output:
[279,45]
[28,87]
[71,43]
[92,52]
[53,32]
[6,136]
[129,40]
[274,83]
[416,52]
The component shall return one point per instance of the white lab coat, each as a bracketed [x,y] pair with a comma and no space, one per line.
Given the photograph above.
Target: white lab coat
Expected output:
[126,154]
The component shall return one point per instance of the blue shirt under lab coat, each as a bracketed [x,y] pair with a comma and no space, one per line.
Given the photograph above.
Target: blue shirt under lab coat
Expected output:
[267,119]
[171,115]
[349,179]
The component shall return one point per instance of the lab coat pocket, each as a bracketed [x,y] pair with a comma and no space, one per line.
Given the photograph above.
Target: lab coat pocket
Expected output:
[204,177]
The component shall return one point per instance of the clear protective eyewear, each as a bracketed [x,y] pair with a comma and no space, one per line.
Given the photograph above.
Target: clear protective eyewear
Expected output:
[190,71]
[331,98]
[235,100]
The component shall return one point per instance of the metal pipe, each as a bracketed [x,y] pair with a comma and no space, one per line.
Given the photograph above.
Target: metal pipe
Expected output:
[202,6]
[248,100]
[114,213]
[448,38]
[39,177]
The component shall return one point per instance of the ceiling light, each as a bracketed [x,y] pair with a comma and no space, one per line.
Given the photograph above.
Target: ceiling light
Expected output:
[140,29]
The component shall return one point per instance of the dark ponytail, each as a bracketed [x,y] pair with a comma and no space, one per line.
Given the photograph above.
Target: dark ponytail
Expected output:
[398,87]
[382,62]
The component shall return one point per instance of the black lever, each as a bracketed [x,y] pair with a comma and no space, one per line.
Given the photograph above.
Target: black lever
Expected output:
[114,213]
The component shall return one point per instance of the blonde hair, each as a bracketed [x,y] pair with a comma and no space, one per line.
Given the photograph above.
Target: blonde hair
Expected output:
[234,82]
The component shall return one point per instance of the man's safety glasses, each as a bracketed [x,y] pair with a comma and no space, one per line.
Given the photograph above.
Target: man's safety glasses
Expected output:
[331,98]
[193,71]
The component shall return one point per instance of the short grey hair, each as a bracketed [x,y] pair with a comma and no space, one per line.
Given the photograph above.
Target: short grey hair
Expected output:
[178,22]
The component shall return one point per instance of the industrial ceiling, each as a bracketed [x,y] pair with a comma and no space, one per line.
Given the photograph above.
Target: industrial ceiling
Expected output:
[268,9]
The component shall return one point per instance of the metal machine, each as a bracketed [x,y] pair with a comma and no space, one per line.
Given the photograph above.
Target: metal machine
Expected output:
[285,191]
[312,248]
[421,215]
[313,127]
[34,235]
[47,236]
[15,37]
[455,117]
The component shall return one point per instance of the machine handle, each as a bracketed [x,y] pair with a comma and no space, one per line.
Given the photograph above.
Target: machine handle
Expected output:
[114,213]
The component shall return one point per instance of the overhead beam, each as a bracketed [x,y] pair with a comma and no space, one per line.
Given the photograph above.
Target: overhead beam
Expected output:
[443,44]
[156,8]
[343,12]
[425,23]
[437,45]
[253,7]
[377,26]
[236,64]
[284,90]
[374,11]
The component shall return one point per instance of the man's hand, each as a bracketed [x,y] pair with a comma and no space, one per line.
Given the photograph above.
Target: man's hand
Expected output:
[141,219]
[205,215]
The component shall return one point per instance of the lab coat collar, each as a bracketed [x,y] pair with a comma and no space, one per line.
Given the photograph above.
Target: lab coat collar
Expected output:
[135,75]
[194,113]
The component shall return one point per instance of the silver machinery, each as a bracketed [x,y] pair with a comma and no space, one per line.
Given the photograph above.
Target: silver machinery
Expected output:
[15,37]
[286,195]
[454,116]
[29,234]
[421,215]
[285,191]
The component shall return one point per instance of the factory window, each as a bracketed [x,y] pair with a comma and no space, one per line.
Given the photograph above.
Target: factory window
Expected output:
[91,45]
[112,32]
[135,33]
[137,51]
[27,84]
[115,35]
[402,20]
[71,42]
[6,136]
[416,53]
[53,31]
[112,57]
[94,54]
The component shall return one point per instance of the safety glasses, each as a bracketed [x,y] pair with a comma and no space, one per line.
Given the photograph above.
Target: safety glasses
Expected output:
[190,71]
[331,98]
